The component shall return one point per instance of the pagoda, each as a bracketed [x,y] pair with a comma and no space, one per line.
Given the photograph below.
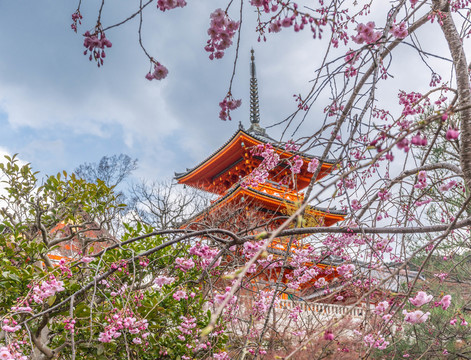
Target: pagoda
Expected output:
[248,209]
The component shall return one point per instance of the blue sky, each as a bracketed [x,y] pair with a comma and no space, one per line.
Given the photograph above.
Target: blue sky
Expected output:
[58,110]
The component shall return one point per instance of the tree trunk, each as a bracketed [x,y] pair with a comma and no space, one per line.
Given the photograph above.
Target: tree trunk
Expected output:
[462,81]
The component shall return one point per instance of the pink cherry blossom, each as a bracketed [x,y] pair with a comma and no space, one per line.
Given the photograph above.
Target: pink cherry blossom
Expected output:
[160,72]
[95,44]
[221,31]
[184,264]
[87,259]
[227,105]
[415,317]
[346,270]
[445,302]
[47,289]
[448,186]
[419,140]
[421,298]
[160,281]
[170,4]
[452,134]
[297,164]
[422,180]
[312,166]
[399,31]
[366,34]
[381,307]
[180,294]
[328,335]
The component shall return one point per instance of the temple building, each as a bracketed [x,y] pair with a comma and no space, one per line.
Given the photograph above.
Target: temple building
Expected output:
[247,208]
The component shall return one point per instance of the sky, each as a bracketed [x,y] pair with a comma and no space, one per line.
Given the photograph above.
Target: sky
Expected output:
[58,110]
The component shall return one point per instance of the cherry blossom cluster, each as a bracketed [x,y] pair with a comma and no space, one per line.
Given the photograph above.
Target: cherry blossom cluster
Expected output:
[302,105]
[366,34]
[250,248]
[399,31]
[334,109]
[435,81]
[459,4]
[170,4]
[295,312]
[268,5]
[296,164]
[221,31]
[269,162]
[419,140]
[10,326]
[415,317]
[447,186]
[47,289]
[381,307]
[186,327]
[162,280]
[291,146]
[420,299]
[180,294]
[452,134]
[350,60]
[421,180]
[205,255]
[76,19]
[346,270]
[312,166]
[69,324]
[95,44]
[262,304]
[227,105]
[329,335]
[376,341]
[124,321]
[411,103]
[219,298]
[184,264]
[160,72]
[11,352]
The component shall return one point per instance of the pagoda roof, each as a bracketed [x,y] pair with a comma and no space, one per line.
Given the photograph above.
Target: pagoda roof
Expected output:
[272,202]
[231,152]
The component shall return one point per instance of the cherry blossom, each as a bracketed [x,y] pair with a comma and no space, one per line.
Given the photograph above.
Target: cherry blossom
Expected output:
[47,289]
[366,34]
[415,317]
[221,31]
[381,307]
[162,280]
[448,186]
[227,105]
[445,302]
[95,44]
[329,335]
[312,166]
[452,134]
[399,31]
[170,4]
[160,72]
[420,299]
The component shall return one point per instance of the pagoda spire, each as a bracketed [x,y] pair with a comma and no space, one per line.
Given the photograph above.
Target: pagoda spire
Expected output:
[254,103]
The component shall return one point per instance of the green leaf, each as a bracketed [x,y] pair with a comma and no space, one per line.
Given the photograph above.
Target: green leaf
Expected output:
[51,300]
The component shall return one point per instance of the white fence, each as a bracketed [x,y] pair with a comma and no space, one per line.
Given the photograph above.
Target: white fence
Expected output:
[323,309]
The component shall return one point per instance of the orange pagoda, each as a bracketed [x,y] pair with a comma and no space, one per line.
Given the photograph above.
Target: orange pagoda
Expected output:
[250,209]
